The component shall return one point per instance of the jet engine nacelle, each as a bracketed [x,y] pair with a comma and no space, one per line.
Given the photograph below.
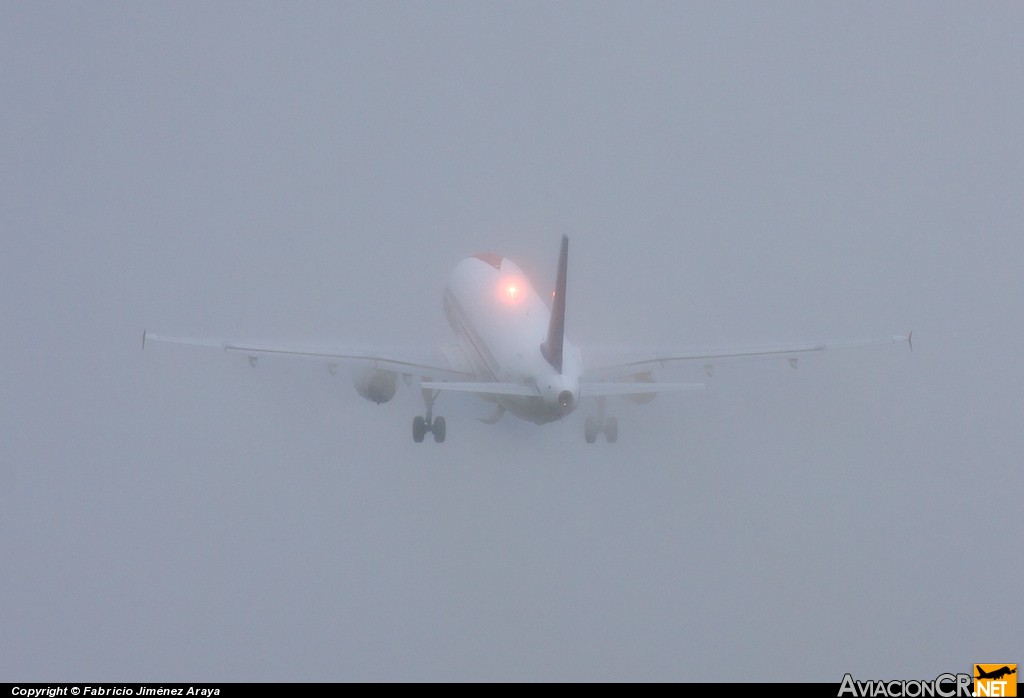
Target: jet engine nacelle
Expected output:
[375,384]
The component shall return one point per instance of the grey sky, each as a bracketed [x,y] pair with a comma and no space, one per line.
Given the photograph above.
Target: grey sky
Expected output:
[727,174]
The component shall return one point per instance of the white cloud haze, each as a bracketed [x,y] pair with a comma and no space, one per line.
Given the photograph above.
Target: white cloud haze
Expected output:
[726,173]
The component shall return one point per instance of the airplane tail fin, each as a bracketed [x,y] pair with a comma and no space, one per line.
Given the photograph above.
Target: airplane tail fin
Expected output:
[552,347]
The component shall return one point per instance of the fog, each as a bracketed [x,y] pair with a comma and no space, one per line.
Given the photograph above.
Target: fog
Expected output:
[728,174]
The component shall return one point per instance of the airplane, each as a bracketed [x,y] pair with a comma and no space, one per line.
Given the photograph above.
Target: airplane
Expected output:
[510,349]
[995,674]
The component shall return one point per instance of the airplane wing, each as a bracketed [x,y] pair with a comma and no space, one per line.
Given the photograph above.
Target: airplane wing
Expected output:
[637,363]
[413,362]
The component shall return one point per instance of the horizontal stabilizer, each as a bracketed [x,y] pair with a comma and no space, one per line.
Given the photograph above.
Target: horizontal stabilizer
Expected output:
[608,389]
[482,388]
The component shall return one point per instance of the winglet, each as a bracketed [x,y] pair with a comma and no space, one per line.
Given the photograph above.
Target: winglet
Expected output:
[552,346]
[143,340]
[910,339]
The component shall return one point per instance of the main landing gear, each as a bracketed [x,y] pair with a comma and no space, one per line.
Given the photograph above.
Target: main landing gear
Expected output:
[430,423]
[600,423]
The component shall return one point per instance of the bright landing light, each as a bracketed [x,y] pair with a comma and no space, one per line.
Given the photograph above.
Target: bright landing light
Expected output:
[511,290]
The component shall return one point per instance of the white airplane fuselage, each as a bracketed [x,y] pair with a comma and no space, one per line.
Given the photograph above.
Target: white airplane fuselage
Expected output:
[501,324]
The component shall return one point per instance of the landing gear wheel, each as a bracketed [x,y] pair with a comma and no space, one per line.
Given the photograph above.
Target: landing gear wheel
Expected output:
[611,429]
[421,425]
[590,429]
[419,429]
